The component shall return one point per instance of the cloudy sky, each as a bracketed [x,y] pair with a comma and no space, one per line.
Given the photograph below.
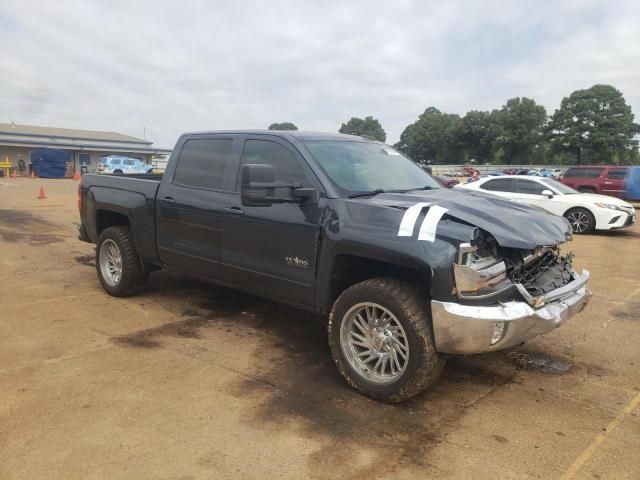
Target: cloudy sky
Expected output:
[199,65]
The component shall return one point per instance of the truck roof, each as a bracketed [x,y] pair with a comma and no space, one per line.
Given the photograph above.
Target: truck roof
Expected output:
[298,134]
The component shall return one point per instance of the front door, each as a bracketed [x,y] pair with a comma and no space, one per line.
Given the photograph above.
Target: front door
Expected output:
[84,159]
[190,203]
[272,249]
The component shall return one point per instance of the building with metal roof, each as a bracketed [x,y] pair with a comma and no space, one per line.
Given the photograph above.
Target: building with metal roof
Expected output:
[84,148]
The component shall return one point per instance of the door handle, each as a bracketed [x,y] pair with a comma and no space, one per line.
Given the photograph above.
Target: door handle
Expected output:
[234,210]
[168,200]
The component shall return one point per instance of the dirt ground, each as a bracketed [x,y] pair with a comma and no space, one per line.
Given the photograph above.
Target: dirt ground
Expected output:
[192,381]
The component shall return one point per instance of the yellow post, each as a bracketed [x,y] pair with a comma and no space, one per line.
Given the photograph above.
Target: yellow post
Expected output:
[6,165]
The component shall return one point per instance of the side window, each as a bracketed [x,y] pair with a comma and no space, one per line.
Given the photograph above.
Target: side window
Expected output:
[115,161]
[202,163]
[284,163]
[530,187]
[500,185]
[128,162]
[617,173]
[584,172]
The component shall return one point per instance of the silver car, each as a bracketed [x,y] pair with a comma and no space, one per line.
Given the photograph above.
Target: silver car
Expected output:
[119,164]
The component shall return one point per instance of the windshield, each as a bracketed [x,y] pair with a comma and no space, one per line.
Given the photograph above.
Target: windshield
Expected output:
[558,187]
[366,167]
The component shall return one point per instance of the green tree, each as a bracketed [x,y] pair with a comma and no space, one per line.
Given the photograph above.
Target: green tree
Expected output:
[432,138]
[475,135]
[368,126]
[595,125]
[283,126]
[520,129]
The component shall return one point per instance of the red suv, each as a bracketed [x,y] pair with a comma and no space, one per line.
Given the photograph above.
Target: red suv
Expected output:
[602,179]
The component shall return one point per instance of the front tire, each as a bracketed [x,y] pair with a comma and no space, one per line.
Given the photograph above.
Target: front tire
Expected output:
[381,339]
[119,267]
[581,220]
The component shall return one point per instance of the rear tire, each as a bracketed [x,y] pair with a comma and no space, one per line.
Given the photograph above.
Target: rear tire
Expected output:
[582,220]
[586,190]
[117,171]
[119,267]
[381,339]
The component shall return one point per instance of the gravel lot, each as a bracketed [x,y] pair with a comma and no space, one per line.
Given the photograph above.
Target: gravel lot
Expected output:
[192,381]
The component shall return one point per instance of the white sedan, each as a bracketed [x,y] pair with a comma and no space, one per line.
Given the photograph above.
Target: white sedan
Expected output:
[585,211]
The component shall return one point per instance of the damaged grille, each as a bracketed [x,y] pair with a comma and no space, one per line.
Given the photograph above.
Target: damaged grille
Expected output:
[543,274]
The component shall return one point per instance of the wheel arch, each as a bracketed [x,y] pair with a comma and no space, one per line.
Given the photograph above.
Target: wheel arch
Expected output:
[588,210]
[347,269]
[106,218]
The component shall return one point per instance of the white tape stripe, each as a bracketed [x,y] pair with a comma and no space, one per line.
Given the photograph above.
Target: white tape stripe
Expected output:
[410,218]
[430,223]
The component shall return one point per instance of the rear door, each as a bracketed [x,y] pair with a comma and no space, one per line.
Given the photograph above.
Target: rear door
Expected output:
[503,187]
[272,249]
[191,202]
[613,183]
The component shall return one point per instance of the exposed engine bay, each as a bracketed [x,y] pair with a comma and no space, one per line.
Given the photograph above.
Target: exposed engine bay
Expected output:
[541,271]
[484,268]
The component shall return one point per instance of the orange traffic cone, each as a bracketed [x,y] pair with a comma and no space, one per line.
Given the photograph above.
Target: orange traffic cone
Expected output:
[77,176]
[15,173]
[33,175]
[41,195]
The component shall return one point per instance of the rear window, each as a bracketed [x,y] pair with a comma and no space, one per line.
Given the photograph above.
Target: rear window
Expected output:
[617,173]
[583,172]
[500,185]
[202,163]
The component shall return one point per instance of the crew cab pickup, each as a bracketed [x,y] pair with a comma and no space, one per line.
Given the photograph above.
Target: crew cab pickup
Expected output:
[408,272]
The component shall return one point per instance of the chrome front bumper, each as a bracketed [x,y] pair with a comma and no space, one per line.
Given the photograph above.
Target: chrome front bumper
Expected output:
[465,329]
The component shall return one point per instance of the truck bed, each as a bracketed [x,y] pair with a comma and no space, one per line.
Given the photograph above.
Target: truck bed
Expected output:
[127,199]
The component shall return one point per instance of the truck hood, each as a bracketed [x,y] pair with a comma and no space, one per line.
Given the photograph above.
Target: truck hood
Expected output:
[513,225]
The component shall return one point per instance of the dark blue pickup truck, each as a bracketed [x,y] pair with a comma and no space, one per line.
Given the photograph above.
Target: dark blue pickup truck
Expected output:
[407,271]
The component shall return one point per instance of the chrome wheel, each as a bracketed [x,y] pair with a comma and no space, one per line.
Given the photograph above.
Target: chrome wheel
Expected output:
[110,262]
[579,221]
[374,343]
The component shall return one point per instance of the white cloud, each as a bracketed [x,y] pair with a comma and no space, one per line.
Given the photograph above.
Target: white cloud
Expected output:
[174,67]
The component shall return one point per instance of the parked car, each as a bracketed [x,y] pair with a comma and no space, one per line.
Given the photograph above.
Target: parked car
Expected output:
[584,211]
[408,272]
[557,173]
[447,182]
[522,171]
[118,164]
[602,179]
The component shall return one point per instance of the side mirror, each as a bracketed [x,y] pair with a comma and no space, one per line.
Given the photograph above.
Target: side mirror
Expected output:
[258,187]
[547,193]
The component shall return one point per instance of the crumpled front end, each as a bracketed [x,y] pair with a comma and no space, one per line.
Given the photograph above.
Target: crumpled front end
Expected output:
[506,297]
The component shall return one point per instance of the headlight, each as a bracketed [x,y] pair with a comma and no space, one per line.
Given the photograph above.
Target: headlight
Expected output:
[608,205]
[480,272]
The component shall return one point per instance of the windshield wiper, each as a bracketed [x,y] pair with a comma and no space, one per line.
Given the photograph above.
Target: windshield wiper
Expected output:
[380,190]
[366,194]
[426,187]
